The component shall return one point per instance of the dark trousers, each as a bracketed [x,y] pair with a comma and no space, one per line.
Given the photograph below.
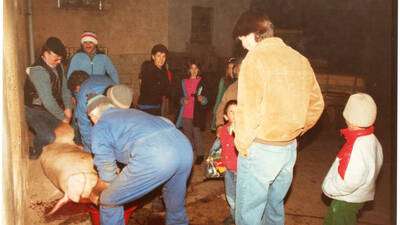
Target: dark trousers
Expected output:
[43,124]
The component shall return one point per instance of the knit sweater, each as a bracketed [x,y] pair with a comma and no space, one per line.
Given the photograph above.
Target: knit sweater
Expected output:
[278,95]
[358,184]
[154,84]
[47,89]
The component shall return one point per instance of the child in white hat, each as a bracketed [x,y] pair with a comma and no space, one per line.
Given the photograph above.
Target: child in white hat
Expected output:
[350,181]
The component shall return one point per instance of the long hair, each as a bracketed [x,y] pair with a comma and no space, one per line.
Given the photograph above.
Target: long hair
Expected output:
[191,62]
[229,79]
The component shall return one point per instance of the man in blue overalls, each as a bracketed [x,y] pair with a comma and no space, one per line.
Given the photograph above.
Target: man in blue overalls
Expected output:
[154,151]
[81,84]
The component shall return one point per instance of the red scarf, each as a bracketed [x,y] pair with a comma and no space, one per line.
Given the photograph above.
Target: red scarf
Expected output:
[345,153]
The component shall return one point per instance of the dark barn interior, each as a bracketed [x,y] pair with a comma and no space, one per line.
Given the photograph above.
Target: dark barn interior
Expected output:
[351,46]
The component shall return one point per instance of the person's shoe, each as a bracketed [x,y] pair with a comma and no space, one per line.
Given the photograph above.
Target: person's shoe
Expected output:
[229,221]
[199,160]
[34,154]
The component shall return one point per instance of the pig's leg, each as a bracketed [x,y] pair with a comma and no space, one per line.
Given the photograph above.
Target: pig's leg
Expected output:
[75,186]
[60,203]
[80,186]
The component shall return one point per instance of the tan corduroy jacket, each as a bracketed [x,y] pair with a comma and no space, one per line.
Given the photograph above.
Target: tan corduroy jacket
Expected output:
[278,96]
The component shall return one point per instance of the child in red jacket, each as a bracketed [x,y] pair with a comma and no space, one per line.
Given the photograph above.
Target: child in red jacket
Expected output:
[229,157]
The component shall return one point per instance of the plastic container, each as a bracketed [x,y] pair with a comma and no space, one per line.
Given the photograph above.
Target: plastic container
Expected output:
[128,211]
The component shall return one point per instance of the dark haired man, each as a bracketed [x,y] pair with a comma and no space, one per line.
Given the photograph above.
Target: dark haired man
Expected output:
[154,85]
[278,100]
[47,98]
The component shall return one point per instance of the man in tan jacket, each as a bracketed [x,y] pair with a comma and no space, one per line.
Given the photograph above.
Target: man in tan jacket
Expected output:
[278,100]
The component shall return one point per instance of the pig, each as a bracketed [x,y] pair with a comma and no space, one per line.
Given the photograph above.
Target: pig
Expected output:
[68,167]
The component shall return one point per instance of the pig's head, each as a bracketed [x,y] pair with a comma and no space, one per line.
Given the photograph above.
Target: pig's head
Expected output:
[64,134]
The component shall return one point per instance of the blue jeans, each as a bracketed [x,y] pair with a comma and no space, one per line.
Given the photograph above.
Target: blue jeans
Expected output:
[230,190]
[163,159]
[263,179]
[43,125]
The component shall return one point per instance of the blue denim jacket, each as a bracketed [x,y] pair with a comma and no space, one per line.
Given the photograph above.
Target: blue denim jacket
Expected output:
[100,64]
[97,85]
[116,133]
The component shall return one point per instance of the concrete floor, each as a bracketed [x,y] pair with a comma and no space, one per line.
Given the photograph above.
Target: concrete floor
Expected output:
[206,205]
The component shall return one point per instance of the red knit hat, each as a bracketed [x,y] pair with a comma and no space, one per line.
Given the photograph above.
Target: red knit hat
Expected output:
[89,37]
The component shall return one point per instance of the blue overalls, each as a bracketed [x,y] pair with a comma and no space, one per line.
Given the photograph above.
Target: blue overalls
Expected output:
[155,153]
[96,85]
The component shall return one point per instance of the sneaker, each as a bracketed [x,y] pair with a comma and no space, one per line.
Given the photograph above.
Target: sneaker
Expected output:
[33,153]
[199,160]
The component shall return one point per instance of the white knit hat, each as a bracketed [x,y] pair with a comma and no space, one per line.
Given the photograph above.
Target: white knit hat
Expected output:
[89,37]
[360,110]
[120,95]
[95,100]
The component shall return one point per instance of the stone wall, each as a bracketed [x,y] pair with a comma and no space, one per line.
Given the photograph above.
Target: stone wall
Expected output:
[225,14]
[128,29]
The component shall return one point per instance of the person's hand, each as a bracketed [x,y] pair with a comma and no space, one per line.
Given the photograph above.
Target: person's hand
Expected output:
[97,190]
[73,100]
[200,98]
[186,100]
[67,115]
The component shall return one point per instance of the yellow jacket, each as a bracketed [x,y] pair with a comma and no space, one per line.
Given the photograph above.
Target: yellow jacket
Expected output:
[278,95]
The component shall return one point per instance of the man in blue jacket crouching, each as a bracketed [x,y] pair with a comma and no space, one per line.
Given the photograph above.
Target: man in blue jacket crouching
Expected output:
[154,151]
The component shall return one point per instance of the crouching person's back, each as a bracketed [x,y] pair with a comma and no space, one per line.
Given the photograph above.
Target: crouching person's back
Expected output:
[154,151]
